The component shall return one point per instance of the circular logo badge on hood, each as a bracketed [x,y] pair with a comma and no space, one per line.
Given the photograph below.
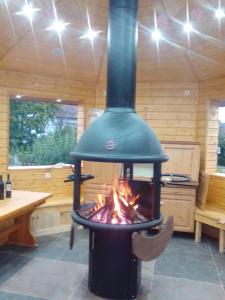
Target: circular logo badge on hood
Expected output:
[110,145]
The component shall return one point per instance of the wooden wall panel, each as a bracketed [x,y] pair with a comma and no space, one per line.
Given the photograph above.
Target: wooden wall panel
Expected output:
[169,108]
[4,114]
[211,93]
[34,179]
[12,83]
[46,87]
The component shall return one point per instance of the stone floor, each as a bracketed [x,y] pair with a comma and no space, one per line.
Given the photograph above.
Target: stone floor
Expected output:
[185,271]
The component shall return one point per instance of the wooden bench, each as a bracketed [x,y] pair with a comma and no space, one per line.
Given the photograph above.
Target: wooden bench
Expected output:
[54,216]
[15,217]
[210,208]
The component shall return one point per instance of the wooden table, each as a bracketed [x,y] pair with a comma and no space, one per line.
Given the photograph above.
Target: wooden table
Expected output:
[15,217]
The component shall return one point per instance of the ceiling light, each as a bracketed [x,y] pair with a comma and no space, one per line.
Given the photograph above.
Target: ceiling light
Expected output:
[156,35]
[188,27]
[18,96]
[58,26]
[58,100]
[90,34]
[28,11]
[219,13]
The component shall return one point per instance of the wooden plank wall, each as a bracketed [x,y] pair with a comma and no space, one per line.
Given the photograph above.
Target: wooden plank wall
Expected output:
[169,108]
[46,87]
[211,93]
[4,125]
[175,111]
[35,180]
[12,83]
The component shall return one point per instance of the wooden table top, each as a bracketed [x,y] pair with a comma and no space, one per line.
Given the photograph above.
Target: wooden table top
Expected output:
[20,202]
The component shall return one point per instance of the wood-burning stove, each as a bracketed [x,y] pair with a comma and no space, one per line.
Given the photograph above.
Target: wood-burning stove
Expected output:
[114,268]
[121,136]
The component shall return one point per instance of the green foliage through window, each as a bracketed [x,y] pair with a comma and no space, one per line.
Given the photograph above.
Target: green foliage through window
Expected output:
[221,145]
[39,134]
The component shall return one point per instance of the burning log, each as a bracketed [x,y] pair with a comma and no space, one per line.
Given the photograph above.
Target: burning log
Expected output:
[100,213]
[119,207]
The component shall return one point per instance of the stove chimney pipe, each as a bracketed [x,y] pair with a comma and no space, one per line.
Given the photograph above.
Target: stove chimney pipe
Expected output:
[122,45]
[119,134]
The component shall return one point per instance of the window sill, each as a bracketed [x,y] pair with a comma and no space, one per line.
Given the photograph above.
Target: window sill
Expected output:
[219,174]
[49,167]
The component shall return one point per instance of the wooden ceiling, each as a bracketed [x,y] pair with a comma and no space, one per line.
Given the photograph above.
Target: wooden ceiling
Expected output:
[33,49]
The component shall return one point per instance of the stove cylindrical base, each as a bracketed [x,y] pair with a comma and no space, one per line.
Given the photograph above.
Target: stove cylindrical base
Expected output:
[114,272]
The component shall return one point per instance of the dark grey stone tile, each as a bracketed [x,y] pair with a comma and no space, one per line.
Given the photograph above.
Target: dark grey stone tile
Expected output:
[81,291]
[57,280]
[43,242]
[214,246]
[56,247]
[148,267]
[164,288]
[82,234]
[52,272]
[10,296]
[220,263]
[10,264]
[45,278]
[61,251]
[185,242]
[190,266]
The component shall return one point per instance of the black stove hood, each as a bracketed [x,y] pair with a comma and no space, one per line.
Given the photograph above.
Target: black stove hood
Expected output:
[120,135]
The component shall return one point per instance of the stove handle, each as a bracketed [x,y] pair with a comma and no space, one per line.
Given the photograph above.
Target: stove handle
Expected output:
[84,177]
[73,234]
[147,247]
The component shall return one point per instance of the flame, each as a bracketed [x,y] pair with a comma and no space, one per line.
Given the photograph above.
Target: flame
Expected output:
[119,207]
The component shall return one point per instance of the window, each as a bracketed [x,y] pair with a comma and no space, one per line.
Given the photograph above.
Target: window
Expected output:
[221,141]
[41,132]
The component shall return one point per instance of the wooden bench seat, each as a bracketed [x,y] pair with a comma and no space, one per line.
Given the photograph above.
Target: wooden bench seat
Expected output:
[54,216]
[57,202]
[210,208]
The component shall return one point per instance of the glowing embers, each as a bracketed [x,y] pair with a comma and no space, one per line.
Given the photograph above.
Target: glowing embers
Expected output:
[120,206]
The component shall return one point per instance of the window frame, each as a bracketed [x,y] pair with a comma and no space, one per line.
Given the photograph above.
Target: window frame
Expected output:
[80,129]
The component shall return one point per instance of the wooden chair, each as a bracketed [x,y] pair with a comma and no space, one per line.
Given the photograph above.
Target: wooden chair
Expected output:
[210,208]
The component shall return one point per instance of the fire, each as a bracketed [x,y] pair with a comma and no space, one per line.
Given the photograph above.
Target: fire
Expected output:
[119,207]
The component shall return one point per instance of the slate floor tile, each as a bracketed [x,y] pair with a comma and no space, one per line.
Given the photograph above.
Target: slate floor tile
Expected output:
[10,296]
[81,291]
[214,246]
[55,247]
[10,264]
[186,271]
[190,266]
[43,242]
[164,288]
[185,242]
[57,280]
[148,266]
[61,251]
[220,263]
[45,278]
